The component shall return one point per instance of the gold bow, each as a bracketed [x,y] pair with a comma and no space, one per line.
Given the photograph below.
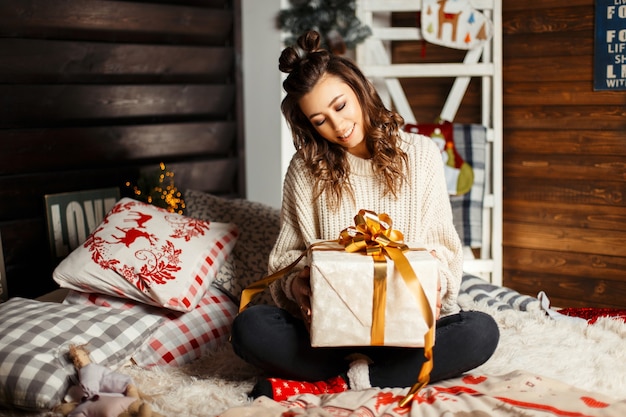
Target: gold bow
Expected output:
[374,235]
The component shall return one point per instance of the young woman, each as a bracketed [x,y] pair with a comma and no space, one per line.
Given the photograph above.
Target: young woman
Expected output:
[351,154]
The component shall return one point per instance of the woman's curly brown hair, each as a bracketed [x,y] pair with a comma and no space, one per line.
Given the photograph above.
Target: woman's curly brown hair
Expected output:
[306,63]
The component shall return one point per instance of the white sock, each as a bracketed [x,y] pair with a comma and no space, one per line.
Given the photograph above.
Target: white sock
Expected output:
[359,373]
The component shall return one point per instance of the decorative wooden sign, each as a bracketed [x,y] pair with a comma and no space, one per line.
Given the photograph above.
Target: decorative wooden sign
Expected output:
[73,216]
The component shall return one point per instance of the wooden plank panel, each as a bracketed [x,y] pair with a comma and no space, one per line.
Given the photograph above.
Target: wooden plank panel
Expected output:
[95,92]
[435,90]
[430,114]
[197,3]
[432,94]
[548,20]
[465,114]
[533,45]
[30,280]
[564,167]
[49,105]
[24,237]
[37,61]
[542,4]
[610,268]
[580,141]
[567,239]
[432,90]
[26,240]
[557,214]
[549,69]
[411,52]
[566,117]
[570,291]
[28,150]
[578,93]
[23,195]
[114,21]
[606,192]
[215,176]
[565,179]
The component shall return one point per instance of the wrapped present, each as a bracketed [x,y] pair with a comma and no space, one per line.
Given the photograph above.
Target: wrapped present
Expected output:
[343,307]
[356,302]
[361,298]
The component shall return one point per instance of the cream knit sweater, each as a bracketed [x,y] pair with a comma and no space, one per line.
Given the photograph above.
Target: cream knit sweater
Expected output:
[421,212]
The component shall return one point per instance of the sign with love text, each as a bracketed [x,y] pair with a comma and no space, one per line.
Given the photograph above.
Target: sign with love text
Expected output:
[73,216]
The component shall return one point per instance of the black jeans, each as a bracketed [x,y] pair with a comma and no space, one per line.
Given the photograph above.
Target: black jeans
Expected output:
[278,343]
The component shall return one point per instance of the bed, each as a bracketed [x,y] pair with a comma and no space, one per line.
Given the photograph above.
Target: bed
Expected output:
[547,363]
[174,342]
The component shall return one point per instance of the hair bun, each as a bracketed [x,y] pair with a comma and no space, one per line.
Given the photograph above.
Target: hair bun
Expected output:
[310,41]
[288,60]
[292,56]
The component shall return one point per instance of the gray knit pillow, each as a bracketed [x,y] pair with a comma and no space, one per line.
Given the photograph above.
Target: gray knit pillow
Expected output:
[258,225]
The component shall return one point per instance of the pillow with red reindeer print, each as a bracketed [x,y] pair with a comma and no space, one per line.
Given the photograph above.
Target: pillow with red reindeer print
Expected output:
[147,254]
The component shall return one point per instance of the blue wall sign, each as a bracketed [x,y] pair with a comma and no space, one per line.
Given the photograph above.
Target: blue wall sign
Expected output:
[610,45]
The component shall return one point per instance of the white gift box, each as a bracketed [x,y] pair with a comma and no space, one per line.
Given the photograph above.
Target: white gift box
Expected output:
[342,286]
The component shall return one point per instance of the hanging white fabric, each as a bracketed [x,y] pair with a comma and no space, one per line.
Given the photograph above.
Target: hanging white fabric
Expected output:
[454,24]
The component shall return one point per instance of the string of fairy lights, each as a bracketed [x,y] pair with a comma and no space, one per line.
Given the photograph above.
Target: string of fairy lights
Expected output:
[158,188]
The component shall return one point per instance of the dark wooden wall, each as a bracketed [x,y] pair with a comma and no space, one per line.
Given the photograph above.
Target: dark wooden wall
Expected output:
[94,92]
[564,159]
[564,152]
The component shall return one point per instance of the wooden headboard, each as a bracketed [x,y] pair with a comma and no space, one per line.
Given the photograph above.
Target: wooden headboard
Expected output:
[94,92]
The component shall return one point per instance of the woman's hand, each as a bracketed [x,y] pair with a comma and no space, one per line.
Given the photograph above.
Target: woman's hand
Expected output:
[438,305]
[301,290]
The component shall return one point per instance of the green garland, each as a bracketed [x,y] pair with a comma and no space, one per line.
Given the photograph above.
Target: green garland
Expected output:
[335,20]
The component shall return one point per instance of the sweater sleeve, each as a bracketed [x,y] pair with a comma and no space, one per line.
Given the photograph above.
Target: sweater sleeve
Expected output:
[437,225]
[297,230]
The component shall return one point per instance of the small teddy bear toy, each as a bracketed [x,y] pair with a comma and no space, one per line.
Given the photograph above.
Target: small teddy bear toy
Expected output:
[105,393]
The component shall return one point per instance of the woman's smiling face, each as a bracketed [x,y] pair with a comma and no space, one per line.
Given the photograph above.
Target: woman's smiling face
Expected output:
[335,112]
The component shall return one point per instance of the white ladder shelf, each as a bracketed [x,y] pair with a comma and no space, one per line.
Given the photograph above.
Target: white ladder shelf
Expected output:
[374,59]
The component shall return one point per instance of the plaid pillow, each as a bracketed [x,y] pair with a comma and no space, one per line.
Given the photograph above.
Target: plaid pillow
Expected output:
[182,336]
[35,371]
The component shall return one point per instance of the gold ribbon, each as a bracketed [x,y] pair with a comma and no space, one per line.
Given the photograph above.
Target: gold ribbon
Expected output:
[374,235]
[259,286]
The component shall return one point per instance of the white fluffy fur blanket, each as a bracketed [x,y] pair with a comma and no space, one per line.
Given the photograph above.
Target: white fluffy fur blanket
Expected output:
[534,350]
[566,366]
